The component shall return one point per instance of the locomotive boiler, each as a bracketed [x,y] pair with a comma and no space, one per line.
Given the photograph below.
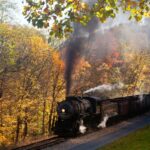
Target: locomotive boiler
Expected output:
[76,114]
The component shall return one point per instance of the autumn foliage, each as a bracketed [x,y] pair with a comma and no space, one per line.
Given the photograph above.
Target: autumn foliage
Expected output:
[32,79]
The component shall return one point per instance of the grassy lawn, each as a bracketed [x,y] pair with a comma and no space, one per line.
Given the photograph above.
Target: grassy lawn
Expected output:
[139,140]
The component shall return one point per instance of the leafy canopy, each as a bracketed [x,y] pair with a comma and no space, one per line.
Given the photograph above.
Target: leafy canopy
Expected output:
[58,15]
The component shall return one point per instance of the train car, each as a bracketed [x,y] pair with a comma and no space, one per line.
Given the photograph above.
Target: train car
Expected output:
[80,114]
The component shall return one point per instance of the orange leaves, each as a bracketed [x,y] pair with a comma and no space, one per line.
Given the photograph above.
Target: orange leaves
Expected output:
[82,65]
[57,59]
[3,140]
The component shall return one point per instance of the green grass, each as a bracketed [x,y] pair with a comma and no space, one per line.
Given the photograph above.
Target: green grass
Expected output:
[139,140]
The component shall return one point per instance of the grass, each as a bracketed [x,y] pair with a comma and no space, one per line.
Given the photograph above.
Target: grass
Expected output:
[138,140]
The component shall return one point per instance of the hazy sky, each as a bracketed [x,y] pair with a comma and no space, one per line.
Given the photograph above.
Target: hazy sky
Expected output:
[19,18]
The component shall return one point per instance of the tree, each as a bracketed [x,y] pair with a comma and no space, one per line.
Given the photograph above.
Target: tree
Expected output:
[56,87]
[31,82]
[58,15]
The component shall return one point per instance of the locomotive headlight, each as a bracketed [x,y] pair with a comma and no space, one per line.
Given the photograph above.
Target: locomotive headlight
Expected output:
[63,110]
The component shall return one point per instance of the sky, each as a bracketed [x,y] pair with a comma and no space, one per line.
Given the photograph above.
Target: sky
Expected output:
[19,18]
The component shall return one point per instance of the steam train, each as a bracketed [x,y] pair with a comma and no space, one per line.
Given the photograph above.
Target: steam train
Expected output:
[80,114]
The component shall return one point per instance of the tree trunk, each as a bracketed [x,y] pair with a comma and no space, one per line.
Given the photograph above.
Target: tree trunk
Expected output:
[25,131]
[43,118]
[50,118]
[18,129]
[53,121]
[1,113]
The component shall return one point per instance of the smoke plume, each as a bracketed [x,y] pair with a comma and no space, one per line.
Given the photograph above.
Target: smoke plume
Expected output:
[104,88]
[76,46]
[99,40]
[73,51]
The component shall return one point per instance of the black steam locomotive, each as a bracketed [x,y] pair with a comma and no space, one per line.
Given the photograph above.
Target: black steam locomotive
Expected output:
[79,114]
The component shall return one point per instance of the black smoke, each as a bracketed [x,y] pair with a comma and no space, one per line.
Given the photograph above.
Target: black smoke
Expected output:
[80,38]
[72,54]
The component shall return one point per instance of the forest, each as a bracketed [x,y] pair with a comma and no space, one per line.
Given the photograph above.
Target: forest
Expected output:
[32,72]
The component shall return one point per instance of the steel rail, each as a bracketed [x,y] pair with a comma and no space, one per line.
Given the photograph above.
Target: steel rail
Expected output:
[41,144]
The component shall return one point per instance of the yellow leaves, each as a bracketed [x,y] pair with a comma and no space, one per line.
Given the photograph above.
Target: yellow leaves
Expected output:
[38,74]
[128,8]
[70,1]
[137,10]
[104,66]
[84,6]
[147,14]
[39,48]
[3,140]
[146,69]
[57,60]
[137,76]
[107,8]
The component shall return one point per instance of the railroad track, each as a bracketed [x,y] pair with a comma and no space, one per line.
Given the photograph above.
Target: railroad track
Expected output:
[47,143]
[41,144]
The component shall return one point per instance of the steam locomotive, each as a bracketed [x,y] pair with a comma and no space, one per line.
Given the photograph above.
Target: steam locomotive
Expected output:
[80,114]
